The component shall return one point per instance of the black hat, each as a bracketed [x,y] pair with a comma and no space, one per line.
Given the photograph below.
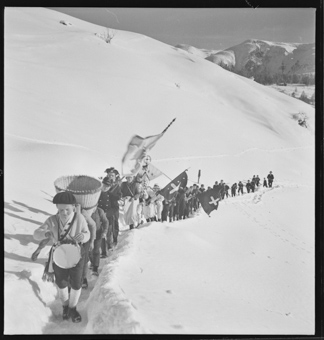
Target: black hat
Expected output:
[64,197]
[116,172]
[106,181]
[112,169]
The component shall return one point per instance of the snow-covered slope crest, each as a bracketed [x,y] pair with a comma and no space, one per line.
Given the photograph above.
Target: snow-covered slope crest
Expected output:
[297,58]
[199,52]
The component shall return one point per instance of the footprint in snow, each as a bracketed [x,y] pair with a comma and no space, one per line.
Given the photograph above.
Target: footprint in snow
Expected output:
[176,326]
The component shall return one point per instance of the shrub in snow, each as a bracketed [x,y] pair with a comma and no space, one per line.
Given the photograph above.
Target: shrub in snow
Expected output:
[63,22]
[301,118]
[107,35]
[304,97]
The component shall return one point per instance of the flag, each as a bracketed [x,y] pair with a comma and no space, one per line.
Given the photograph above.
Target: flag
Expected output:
[199,173]
[152,172]
[209,199]
[136,151]
[169,191]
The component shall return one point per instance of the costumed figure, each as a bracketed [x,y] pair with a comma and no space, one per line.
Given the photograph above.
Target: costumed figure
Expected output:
[69,232]
[149,206]
[130,194]
[158,202]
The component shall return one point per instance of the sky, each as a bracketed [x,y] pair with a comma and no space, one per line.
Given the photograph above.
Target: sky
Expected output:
[209,28]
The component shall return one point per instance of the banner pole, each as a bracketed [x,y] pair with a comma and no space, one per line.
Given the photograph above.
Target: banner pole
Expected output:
[168,125]
[166,176]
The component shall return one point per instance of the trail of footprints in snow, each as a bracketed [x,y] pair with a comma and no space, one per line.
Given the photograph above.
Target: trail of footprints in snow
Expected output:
[257,198]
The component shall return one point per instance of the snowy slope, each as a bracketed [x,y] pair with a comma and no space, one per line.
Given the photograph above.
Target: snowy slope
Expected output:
[72,103]
[199,52]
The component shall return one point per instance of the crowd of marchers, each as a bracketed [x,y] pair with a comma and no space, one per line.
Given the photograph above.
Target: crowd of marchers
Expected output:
[238,187]
[97,234]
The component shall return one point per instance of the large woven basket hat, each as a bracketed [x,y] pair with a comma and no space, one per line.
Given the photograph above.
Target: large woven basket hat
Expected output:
[86,190]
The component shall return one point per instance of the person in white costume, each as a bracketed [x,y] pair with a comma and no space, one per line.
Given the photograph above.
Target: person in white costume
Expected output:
[149,206]
[130,194]
[158,199]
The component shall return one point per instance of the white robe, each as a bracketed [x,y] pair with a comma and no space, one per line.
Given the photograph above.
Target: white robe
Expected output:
[158,205]
[130,211]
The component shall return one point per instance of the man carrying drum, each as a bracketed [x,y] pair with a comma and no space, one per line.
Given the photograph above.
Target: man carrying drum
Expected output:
[69,232]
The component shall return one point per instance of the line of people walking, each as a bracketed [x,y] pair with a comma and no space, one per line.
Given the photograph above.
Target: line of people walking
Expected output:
[97,234]
[237,188]
[182,205]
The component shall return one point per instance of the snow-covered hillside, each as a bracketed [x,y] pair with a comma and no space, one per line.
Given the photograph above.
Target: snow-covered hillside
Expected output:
[72,103]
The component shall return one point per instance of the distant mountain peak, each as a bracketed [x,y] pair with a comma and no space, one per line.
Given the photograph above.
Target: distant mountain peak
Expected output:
[256,55]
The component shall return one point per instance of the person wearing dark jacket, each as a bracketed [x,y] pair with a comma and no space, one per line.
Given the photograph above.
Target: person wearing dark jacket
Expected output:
[257,180]
[270,179]
[253,186]
[172,205]
[181,201]
[222,189]
[176,207]
[104,204]
[102,223]
[165,211]
[108,202]
[202,188]
[240,188]
[88,246]
[248,186]
[265,183]
[233,190]
[194,197]
[188,197]
[226,190]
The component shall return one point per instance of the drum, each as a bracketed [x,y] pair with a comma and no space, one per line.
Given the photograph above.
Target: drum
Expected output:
[67,255]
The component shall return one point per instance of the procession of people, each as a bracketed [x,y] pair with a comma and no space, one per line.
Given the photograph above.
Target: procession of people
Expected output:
[80,239]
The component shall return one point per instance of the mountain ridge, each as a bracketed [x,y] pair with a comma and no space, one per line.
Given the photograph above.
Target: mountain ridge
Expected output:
[256,55]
